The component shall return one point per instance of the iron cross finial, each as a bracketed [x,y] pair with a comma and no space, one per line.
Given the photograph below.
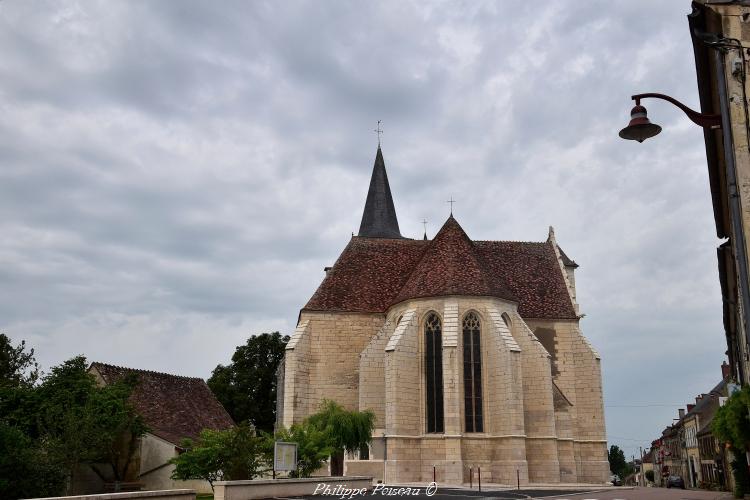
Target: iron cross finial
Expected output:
[451,201]
[379,131]
[424,223]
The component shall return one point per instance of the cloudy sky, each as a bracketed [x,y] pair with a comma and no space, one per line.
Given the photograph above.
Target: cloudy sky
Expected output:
[175,175]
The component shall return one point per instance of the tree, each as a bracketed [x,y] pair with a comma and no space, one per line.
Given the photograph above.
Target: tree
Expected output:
[649,476]
[247,386]
[231,454]
[17,367]
[313,448]
[345,430]
[327,434]
[731,425]
[74,422]
[26,471]
[617,463]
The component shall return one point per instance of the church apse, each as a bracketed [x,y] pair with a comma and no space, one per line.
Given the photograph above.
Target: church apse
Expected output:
[468,352]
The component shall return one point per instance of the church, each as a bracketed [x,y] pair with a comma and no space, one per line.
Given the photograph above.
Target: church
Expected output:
[469,353]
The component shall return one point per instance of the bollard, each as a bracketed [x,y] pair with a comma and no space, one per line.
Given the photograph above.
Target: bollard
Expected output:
[518,479]
[471,478]
[433,475]
[479,477]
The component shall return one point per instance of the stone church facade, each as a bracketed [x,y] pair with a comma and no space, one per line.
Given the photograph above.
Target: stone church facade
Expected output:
[469,353]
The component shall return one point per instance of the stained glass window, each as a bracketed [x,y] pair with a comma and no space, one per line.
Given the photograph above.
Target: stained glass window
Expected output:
[472,373]
[433,362]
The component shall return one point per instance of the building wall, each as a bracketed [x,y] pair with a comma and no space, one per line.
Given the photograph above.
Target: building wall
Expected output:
[155,471]
[381,367]
[733,22]
[319,365]
[578,376]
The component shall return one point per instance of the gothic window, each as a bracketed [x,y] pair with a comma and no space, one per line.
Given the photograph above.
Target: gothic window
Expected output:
[472,373]
[433,363]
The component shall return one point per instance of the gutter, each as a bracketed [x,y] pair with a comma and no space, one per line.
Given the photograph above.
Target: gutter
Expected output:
[734,197]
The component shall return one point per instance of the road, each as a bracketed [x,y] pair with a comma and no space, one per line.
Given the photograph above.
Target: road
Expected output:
[647,494]
[612,494]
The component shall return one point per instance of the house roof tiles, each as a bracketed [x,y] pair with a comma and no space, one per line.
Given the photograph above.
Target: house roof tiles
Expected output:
[174,407]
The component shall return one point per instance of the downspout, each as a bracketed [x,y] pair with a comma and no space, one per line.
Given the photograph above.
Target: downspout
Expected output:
[734,197]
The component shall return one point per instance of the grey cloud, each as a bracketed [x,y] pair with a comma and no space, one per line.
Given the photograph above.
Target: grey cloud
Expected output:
[174,175]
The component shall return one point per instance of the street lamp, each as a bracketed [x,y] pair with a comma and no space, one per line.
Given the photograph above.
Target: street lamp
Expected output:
[640,128]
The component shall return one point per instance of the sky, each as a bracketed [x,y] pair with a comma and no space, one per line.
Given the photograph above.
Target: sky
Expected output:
[175,175]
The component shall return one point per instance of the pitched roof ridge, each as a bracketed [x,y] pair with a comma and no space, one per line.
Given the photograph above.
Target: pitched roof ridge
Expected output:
[511,241]
[141,370]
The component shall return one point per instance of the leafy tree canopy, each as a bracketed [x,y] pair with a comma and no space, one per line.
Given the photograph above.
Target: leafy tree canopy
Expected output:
[231,454]
[345,430]
[68,420]
[617,463]
[247,386]
[313,448]
[330,431]
[17,366]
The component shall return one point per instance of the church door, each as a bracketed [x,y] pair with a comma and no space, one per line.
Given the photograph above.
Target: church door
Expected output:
[337,464]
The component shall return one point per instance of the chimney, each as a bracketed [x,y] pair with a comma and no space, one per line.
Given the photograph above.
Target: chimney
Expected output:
[681,412]
[726,371]
[690,407]
[327,269]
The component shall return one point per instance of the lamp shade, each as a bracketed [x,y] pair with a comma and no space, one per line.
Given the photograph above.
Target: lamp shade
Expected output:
[640,128]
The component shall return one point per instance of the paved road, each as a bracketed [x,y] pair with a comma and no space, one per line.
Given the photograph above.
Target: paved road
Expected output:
[647,494]
[615,494]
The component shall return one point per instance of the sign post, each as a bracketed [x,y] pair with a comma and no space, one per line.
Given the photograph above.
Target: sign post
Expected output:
[284,457]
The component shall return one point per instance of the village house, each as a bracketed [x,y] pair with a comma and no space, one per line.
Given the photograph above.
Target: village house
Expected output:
[174,408]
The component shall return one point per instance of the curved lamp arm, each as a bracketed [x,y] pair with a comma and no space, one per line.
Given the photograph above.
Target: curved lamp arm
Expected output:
[701,119]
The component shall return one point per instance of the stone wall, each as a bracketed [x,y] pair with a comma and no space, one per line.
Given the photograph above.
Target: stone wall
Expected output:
[322,361]
[579,379]
[542,429]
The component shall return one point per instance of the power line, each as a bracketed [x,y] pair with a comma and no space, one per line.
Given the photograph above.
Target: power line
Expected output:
[645,405]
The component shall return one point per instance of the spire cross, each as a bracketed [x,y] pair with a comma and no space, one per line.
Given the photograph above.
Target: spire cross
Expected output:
[424,223]
[451,201]
[379,131]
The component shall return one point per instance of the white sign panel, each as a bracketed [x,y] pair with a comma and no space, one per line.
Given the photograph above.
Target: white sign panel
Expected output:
[284,456]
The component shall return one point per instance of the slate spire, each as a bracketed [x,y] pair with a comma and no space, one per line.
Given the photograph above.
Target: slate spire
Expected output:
[379,218]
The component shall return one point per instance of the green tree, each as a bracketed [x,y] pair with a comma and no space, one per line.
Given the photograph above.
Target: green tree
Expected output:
[731,425]
[247,386]
[26,470]
[345,430]
[231,454]
[617,463]
[73,422]
[327,434]
[17,366]
[649,476]
[313,448]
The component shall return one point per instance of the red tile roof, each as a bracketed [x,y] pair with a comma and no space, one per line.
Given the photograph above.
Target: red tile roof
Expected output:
[173,407]
[373,274]
[451,265]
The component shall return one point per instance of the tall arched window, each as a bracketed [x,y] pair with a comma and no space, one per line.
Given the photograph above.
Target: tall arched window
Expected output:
[433,366]
[472,373]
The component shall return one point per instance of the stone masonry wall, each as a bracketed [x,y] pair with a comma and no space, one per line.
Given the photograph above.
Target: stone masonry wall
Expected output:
[539,411]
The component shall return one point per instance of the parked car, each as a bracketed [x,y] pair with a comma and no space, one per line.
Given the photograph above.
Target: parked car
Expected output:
[615,480]
[675,481]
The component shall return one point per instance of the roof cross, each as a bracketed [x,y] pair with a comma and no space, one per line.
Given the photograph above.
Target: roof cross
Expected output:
[379,131]
[424,223]
[451,201]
